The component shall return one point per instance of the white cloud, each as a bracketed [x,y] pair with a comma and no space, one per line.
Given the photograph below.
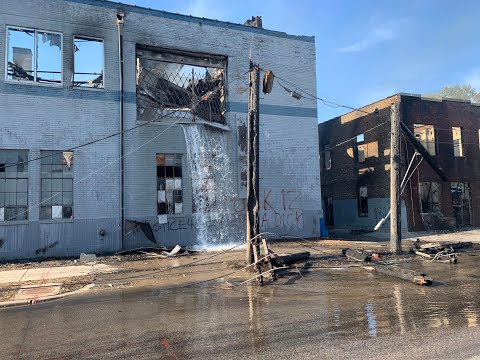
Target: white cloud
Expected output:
[378,34]
[473,78]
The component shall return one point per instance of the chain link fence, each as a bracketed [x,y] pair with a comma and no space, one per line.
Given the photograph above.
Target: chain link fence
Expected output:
[192,92]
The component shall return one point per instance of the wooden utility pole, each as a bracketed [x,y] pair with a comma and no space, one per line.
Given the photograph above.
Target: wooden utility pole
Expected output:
[395,191]
[253,156]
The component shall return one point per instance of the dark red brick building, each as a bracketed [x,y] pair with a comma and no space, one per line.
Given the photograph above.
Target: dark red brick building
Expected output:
[355,171]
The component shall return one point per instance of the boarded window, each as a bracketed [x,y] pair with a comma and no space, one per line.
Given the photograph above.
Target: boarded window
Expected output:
[430,196]
[457,141]
[169,184]
[327,157]
[88,62]
[34,55]
[425,134]
[362,201]
[13,185]
[56,185]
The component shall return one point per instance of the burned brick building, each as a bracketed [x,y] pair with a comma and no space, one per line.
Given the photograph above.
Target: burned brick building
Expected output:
[161,100]
[355,164]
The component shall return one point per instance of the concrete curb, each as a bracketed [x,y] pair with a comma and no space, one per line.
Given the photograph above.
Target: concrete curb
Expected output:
[12,303]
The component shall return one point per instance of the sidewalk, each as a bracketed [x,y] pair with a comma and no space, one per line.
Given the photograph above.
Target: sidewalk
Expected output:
[44,274]
[471,235]
[36,281]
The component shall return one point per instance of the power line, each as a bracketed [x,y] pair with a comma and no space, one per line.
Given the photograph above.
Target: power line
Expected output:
[313,97]
[354,137]
[114,134]
[108,164]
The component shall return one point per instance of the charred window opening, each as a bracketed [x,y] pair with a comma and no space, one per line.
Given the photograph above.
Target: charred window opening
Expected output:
[457,141]
[169,185]
[180,85]
[361,147]
[362,201]
[13,185]
[461,202]
[429,197]
[327,157]
[425,134]
[56,185]
[34,56]
[88,62]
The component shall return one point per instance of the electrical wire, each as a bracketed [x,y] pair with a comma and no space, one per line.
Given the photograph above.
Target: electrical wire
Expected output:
[108,164]
[354,137]
[156,119]
[313,97]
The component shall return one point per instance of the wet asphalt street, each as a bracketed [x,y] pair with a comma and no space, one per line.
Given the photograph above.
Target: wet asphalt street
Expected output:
[344,313]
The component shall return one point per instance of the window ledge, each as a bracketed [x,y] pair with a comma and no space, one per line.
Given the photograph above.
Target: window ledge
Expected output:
[32,83]
[87,88]
[56,221]
[14,222]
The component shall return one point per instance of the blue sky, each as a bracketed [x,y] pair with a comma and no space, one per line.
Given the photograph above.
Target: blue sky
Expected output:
[366,50]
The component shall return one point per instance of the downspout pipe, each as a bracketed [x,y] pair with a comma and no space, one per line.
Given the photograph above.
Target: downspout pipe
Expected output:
[120,21]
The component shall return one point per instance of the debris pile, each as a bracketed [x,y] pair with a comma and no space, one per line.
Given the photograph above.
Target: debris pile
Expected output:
[439,252]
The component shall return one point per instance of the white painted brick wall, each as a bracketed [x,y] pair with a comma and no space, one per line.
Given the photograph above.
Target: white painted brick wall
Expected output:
[40,117]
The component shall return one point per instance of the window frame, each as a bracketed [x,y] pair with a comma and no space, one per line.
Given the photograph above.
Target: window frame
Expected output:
[362,143]
[27,208]
[359,202]
[461,144]
[53,194]
[93,38]
[327,164]
[435,149]
[35,48]
[167,214]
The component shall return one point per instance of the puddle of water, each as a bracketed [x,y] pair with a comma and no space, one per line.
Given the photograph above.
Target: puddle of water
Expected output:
[322,305]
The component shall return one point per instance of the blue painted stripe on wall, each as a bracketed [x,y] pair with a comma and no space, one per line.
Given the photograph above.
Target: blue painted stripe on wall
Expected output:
[60,92]
[280,110]
[130,97]
[191,19]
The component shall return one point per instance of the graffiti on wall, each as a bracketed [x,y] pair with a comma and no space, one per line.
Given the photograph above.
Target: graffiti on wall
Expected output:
[277,210]
[179,224]
[285,214]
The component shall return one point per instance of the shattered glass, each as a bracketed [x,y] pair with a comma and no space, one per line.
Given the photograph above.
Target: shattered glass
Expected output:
[180,91]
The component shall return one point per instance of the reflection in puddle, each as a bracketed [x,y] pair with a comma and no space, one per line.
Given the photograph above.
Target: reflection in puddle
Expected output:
[372,324]
[399,306]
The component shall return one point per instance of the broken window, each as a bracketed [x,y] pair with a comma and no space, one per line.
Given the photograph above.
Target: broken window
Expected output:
[457,141]
[362,201]
[429,197]
[88,62]
[169,184]
[56,185]
[361,147]
[180,85]
[425,134]
[34,56]
[13,185]
[461,202]
[327,157]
